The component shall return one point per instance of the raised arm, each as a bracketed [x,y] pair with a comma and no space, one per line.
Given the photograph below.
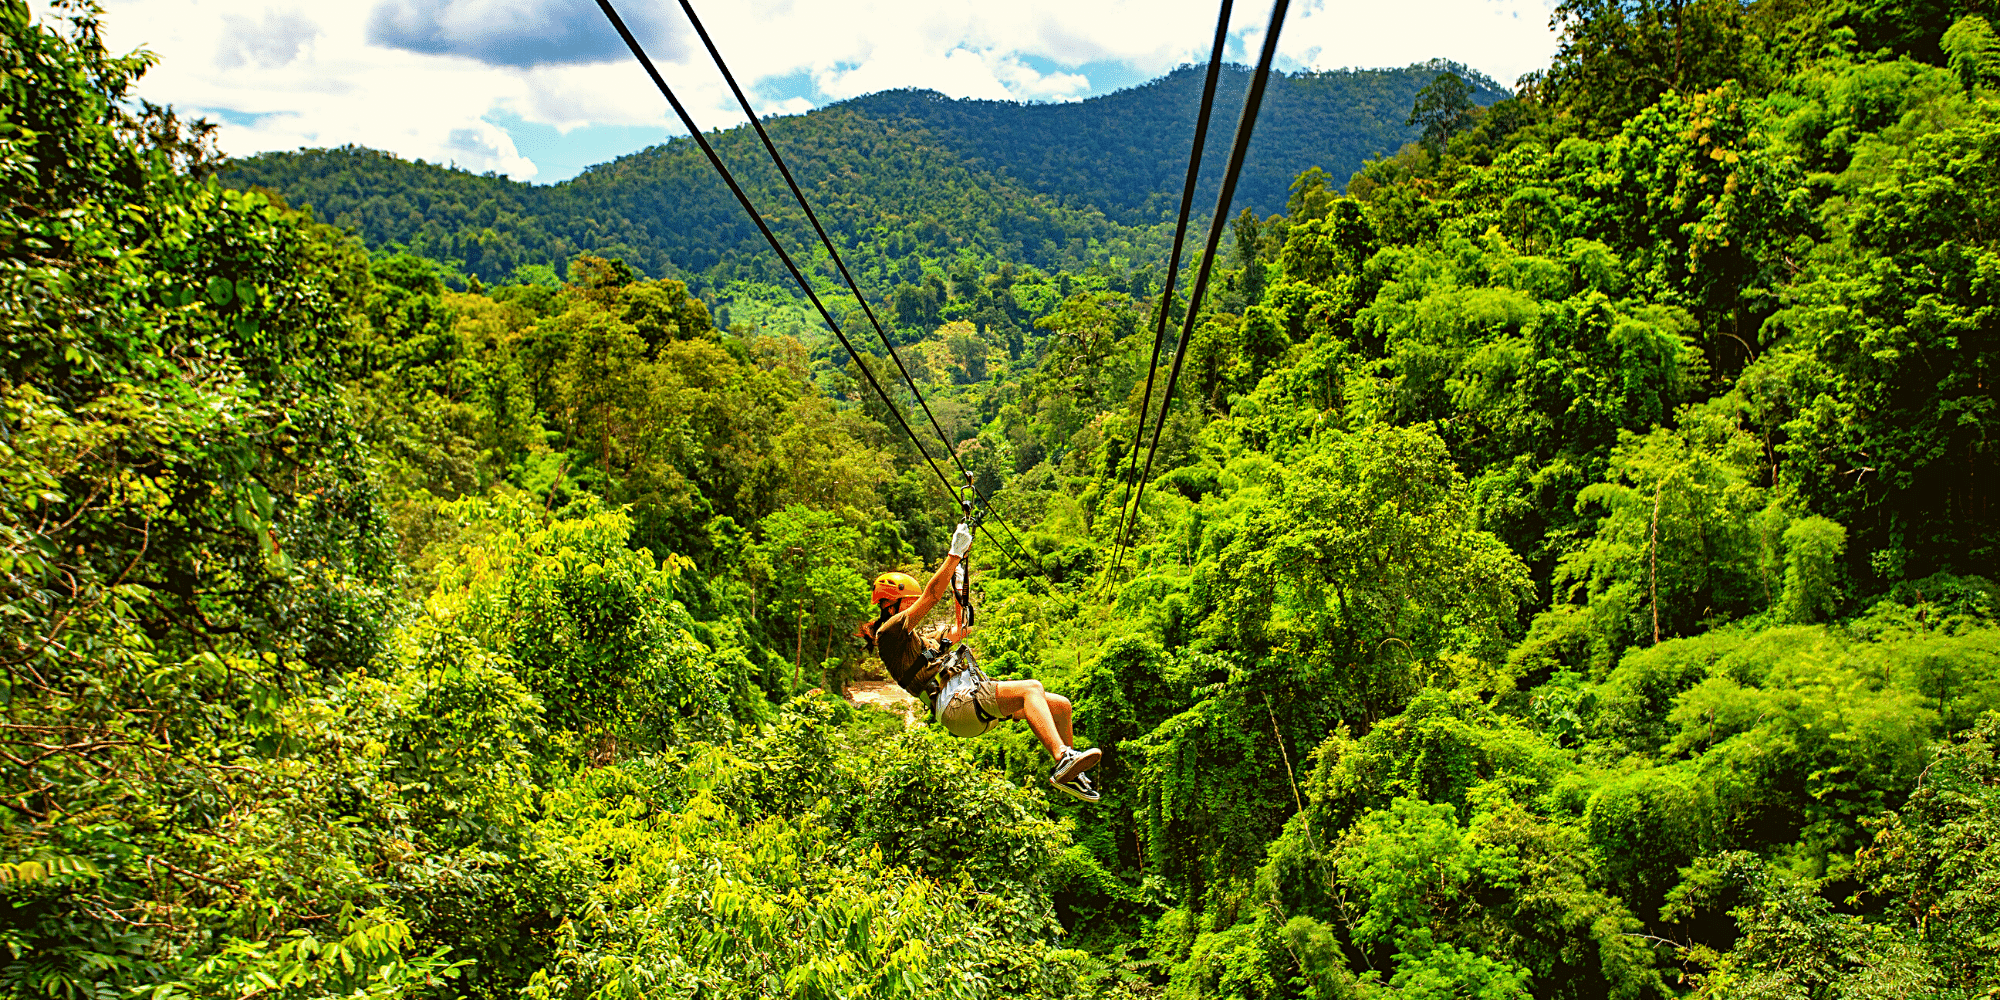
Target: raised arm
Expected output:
[940,584]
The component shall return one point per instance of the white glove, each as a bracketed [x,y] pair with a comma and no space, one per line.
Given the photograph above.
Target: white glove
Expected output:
[961,540]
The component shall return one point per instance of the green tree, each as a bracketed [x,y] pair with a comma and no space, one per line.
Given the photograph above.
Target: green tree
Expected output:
[732,838]
[1793,942]
[1406,864]
[1974,51]
[1676,544]
[814,586]
[1884,375]
[1618,56]
[190,540]
[1933,862]
[1089,329]
[1813,550]
[1365,566]
[593,626]
[1443,109]
[602,389]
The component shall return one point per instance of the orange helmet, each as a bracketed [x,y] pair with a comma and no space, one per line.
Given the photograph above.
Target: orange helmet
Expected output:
[890,588]
[895,587]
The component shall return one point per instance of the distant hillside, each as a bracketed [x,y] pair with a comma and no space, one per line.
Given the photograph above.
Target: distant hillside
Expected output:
[894,195]
[901,176]
[1126,153]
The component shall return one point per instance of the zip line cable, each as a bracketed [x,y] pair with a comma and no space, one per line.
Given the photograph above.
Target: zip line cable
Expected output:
[799,196]
[687,120]
[1174,259]
[1238,151]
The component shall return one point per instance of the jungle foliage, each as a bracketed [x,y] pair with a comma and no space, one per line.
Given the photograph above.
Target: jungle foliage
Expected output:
[1565,573]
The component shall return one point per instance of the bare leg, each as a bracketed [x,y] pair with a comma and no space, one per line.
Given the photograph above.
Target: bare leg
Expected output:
[1059,710]
[1025,700]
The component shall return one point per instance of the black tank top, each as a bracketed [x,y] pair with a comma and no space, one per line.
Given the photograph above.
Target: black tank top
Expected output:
[902,654]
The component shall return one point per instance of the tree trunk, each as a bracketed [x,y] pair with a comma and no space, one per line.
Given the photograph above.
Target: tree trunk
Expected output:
[824,653]
[799,655]
[1653,559]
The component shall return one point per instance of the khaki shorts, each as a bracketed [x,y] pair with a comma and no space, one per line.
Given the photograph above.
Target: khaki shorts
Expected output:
[959,704]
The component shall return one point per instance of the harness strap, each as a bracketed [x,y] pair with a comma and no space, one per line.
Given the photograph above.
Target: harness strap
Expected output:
[962,661]
[981,712]
[936,668]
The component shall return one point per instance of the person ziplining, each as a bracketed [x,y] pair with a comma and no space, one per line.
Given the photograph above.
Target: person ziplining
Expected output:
[934,664]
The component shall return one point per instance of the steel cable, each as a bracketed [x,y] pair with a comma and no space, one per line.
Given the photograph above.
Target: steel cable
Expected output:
[750,209]
[1237,153]
[1174,261]
[799,196]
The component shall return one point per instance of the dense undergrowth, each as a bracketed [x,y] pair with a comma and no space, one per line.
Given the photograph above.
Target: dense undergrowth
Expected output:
[1566,575]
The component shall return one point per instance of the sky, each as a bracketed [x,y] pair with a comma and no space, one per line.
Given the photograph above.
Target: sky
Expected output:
[540,89]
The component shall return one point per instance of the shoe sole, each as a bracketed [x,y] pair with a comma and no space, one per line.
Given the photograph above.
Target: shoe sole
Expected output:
[1075,793]
[1083,761]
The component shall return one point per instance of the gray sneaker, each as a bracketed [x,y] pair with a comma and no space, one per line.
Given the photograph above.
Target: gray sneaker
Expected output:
[1078,788]
[1074,762]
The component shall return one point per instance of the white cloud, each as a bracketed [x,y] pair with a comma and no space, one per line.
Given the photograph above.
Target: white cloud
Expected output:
[1501,38]
[284,76]
[961,72]
[855,46]
[277,40]
[788,106]
[1024,81]
[520,33]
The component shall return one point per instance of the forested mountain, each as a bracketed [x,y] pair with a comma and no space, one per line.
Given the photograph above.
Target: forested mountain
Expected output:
[902,176]
[1566,570]
[1125,153]
[665,211]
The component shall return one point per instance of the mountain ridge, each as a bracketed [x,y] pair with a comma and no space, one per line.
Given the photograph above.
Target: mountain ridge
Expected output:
[1268,173]
[908,180]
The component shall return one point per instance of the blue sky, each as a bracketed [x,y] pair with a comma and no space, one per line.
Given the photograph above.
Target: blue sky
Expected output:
[541,89]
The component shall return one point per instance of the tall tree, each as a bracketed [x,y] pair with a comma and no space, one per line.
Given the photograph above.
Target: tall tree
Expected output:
[1443,109]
